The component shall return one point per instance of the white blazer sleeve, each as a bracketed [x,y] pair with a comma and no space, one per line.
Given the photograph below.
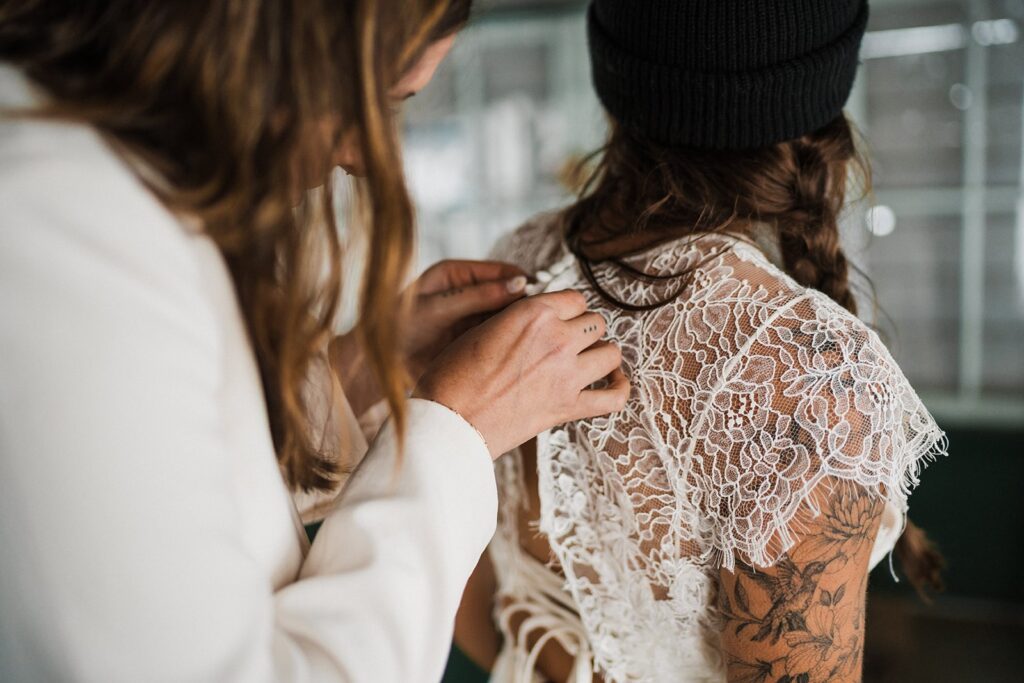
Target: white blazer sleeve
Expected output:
[121,557]
[397,547]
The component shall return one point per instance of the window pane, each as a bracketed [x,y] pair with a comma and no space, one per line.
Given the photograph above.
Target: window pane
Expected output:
[915,271]
[1004,305]
[1005,96]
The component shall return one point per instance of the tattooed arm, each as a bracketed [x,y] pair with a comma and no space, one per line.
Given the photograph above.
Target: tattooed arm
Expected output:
[802,620]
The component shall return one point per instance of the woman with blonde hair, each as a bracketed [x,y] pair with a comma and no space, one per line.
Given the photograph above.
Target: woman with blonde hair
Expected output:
[168,286]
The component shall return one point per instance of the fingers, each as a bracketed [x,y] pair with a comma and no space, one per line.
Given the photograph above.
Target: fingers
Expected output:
[599,361]
[473,272]
[610,399]
[568,303]
[586,329]
[486,297]
[455,274]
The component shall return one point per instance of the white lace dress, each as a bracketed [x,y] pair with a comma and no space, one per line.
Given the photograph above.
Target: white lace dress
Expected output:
[748,390]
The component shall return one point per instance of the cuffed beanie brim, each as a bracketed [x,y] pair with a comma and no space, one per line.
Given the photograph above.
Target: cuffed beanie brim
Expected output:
[725,109]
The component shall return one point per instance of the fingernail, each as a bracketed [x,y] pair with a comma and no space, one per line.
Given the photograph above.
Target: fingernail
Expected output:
[516,284]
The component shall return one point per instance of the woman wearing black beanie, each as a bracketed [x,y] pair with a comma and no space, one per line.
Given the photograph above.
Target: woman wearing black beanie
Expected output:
[722,526]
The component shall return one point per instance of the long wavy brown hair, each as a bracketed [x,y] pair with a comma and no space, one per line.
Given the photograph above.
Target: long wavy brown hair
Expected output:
[229,110]
[641,193]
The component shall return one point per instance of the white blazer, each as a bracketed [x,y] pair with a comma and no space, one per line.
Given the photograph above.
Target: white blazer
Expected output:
[146,533]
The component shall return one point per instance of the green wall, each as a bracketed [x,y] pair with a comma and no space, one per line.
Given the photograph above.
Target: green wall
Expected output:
[972,505]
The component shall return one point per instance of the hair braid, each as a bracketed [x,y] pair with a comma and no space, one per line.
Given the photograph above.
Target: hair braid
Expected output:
[813,256]
[809,231]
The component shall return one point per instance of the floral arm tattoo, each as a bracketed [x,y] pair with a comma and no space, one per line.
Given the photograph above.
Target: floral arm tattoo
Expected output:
[802,620]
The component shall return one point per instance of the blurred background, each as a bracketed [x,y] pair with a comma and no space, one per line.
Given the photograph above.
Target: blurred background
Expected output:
[939,98]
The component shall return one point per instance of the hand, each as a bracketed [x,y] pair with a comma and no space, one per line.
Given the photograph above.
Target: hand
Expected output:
[448,298]
[528,369]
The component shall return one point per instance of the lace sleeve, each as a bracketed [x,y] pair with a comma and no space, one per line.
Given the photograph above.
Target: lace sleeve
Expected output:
[814,398]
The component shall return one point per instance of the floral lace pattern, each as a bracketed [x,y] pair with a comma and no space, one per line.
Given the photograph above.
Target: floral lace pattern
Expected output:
[748,391]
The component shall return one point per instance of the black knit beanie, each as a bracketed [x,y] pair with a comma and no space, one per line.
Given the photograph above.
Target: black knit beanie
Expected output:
[724,74]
